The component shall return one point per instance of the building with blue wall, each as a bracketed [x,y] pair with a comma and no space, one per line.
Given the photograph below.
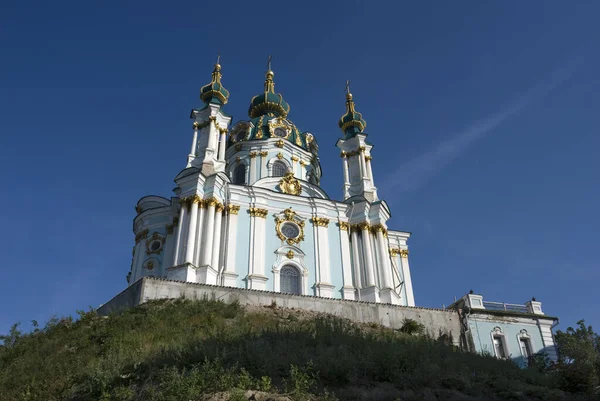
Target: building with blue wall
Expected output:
[249,212]
[507,331]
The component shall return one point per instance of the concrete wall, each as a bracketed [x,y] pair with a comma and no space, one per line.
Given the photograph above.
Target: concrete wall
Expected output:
[436,321]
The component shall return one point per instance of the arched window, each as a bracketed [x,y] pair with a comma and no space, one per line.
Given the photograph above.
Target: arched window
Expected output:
[279,169]
[239,175]
[290,280]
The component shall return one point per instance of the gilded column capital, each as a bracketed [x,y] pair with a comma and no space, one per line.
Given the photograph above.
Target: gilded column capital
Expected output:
[379,228]
[220,208]
[264,153]
[368,158]
[354,228]
[252,155]
[233,209]
[195,199]
[257,212]
[211,202]
[344,226]
[362,149]
[320,221]
[212,118]
[295,159]
[343,154]
[185,202]
[364,226]
[404,253]
[196,125]
[394,252]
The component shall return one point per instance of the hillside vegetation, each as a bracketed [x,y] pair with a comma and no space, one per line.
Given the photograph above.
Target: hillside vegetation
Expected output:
[185,350]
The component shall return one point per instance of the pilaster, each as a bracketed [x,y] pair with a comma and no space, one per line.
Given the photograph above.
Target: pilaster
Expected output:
[348,289]
[410,298]
[323,285]
[229,274]
[256,270]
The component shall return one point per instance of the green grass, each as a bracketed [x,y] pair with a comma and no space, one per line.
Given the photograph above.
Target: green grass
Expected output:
[179,350]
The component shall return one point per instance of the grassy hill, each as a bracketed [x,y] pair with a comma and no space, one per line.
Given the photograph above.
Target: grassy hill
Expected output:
[185,350]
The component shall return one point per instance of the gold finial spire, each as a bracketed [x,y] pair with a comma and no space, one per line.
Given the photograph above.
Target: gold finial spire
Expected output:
[218,59]
[269,84]
[347,90]
[349,101]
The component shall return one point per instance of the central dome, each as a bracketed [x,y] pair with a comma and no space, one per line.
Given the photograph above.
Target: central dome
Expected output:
[269,102]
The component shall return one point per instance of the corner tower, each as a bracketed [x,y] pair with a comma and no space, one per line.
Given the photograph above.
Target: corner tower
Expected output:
[210,127]
[356,153]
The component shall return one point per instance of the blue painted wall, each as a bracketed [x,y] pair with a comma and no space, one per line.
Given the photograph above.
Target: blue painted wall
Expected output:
[481,333]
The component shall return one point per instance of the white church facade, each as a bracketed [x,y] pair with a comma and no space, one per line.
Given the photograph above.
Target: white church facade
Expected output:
[248,211]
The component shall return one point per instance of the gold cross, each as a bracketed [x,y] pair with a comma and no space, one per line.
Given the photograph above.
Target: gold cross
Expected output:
[347,87]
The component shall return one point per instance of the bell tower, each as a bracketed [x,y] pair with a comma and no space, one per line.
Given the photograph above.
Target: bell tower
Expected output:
[356,153]
[210,127]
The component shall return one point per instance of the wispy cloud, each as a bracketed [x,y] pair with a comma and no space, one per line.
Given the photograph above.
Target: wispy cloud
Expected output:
[411,175]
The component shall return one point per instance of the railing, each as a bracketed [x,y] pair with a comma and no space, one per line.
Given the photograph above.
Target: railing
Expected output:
[505,307]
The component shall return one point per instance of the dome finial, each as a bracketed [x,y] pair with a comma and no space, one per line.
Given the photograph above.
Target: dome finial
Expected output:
[352,122]
[269,84]
[214,92]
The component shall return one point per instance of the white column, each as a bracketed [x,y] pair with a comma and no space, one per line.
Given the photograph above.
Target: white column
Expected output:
[222,143]
[178,237]
[369,170]
[361,160]
[356,258]
[324,287]
[217,238]
[253,172]
[410,298]
[229,275]
[263,164]
[213,133]
[368,254]
[199,232]
[346,175]
[348,289]
[384,260]
[191,240]
[209,232]
[256,278]
[194,141]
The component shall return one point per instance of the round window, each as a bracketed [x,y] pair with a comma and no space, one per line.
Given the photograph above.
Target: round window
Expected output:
[241,134]
[155,245]
[290,230]
[280,132]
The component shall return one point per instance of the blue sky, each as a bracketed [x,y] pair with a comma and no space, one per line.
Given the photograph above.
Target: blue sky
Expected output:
[484,116]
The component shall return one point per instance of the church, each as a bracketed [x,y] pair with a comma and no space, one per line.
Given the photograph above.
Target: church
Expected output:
[248,210]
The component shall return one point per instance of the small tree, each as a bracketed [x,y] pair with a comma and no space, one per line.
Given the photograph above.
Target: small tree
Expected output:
[579,358]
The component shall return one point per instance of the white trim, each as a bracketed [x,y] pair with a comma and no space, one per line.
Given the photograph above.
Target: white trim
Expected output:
[497,332]
[523,334]
[297,261]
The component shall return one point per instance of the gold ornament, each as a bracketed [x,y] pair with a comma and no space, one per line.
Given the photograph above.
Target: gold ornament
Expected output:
[290,254]
[290,185]
[320,221]
[257,212]
[233,209]
[344,226]
[289,216]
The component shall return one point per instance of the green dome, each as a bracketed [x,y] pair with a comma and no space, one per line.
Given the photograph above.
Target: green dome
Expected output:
[215,92]
[268,127]
[269,102]
[352,122]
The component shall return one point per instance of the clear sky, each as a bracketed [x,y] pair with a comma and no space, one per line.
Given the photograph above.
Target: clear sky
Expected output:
[484,115]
